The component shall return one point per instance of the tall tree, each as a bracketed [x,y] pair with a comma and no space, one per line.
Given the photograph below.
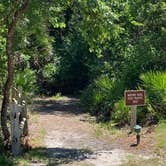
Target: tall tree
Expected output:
[19,9]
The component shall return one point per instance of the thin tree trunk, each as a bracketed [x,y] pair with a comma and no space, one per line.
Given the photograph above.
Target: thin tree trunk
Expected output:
[5,102]
[9,81]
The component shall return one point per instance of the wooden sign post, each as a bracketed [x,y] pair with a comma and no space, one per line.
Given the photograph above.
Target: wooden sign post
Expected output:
[133,117]
[134,98]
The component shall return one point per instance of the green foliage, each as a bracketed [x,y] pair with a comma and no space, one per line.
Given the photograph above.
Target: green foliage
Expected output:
[27,80]
[103,98]
[155,85]
[98,24]
[4,160]
[100,96]
[2,58]
[137,50]
[48,70]
[121,113]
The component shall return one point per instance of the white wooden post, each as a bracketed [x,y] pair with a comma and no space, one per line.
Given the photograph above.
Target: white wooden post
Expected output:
[133,117]
[15,128]
[18,112]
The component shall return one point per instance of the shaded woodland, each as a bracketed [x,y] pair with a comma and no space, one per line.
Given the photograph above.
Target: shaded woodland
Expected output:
[94,49]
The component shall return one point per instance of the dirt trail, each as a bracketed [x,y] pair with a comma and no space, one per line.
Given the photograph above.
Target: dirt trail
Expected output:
[70,139]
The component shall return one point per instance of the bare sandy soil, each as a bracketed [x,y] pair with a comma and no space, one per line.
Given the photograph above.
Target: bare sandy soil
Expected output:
[71,139]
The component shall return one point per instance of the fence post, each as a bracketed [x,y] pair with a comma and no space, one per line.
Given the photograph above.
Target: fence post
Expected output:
[15,128]
[18,116]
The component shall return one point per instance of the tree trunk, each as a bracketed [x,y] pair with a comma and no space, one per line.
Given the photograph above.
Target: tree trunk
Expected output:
[9,49]
[5,102]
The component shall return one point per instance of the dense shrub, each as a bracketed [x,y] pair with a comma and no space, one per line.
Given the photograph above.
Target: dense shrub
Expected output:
[155,109]
[155,86]
[100,96]
[121,113]
[104,99]
[4,160]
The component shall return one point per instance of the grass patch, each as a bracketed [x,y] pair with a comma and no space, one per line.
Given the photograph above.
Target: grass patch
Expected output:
[110,127]
[140,161]
[34,117]
[58,96]
[161,135]
[37,155]
[37,141]
[160,138]
[98,131]
[20,161]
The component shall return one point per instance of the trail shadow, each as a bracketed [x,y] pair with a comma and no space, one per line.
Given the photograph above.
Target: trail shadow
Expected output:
[57,156]
[57,107]
[64,156]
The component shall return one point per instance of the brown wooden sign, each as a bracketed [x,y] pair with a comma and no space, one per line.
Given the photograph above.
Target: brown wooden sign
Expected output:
[135,97]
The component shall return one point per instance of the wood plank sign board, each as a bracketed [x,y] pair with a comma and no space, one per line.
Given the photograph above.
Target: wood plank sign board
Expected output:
[135,97]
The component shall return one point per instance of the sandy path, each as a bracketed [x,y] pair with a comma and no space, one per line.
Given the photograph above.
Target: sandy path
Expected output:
[70,139]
